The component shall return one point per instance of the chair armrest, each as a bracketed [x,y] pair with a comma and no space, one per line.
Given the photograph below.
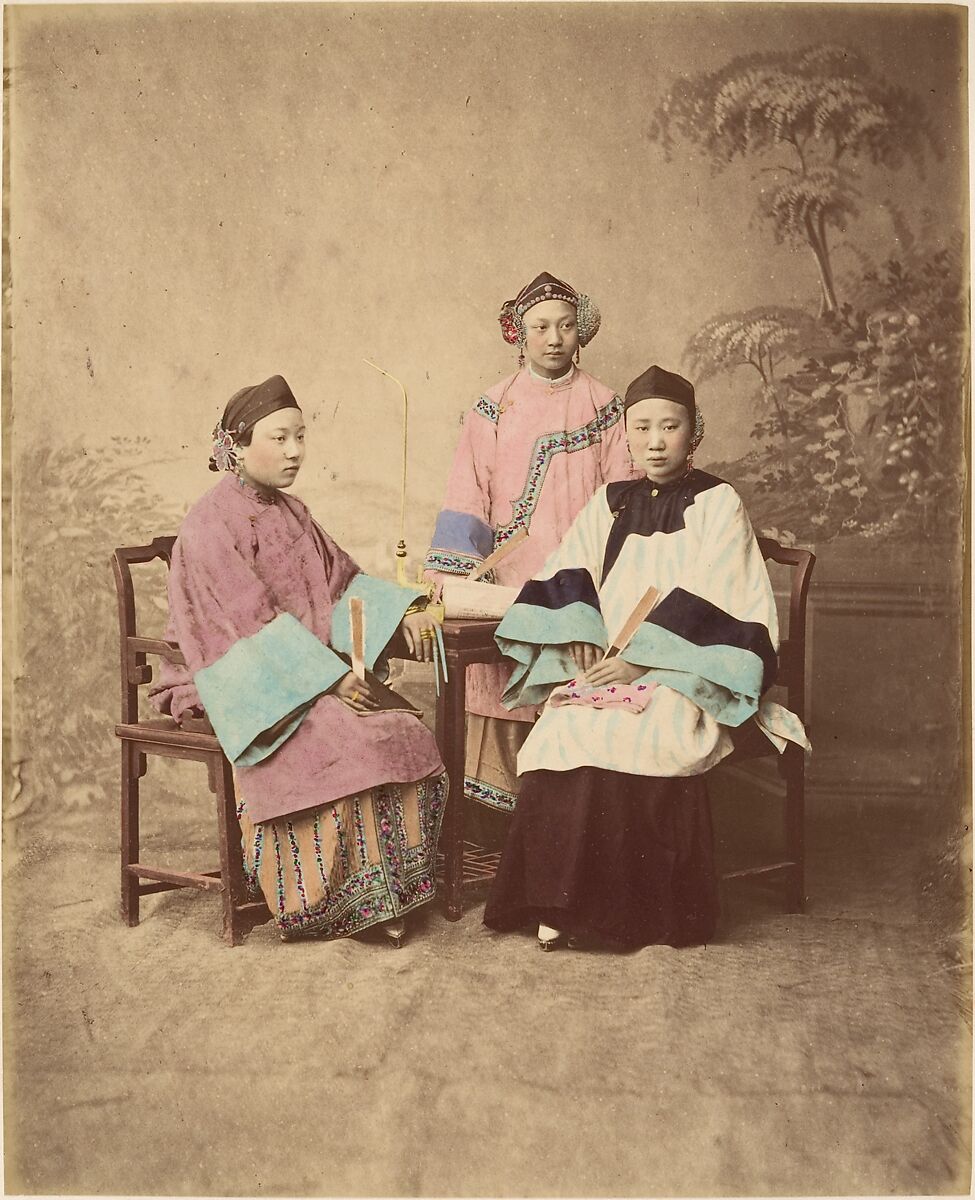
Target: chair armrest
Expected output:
[136,649]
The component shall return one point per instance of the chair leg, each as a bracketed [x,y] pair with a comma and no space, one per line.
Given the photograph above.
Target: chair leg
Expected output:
[794,769]
[133,768]
[231,854]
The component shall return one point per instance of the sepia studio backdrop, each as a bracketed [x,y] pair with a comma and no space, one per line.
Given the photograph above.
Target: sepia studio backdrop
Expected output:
[769,198]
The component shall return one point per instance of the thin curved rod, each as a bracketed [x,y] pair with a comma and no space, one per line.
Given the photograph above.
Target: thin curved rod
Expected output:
[401,548]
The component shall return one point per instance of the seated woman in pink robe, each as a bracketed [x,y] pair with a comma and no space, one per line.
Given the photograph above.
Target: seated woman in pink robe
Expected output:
[340,798]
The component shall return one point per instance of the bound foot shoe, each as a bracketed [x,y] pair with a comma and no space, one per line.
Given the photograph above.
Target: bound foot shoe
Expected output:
[550,939]
[396,932]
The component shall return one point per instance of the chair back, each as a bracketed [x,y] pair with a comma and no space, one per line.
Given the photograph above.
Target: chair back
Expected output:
[134,670]
[792,649]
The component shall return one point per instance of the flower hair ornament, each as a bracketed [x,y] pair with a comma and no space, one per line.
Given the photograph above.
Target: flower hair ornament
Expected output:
[223,454]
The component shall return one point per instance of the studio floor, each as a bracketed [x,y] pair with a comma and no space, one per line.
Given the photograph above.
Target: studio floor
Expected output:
[824,1053]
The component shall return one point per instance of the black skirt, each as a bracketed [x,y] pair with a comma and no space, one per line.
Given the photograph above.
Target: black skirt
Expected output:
[624,857]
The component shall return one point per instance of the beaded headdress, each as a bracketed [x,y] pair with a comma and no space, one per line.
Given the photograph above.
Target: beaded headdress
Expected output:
[547,287]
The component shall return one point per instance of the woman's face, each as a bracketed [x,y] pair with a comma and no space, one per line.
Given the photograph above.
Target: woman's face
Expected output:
[659,435]
[551,337]
[276,452]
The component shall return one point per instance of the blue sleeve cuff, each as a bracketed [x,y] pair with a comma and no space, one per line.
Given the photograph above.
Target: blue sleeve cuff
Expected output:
[384,605]
[536,672]
[262,680]
[537,639]
[463,533]
[724,681]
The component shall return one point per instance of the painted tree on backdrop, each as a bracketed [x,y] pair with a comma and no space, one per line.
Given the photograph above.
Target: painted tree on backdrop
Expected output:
[810,118]
[865,396]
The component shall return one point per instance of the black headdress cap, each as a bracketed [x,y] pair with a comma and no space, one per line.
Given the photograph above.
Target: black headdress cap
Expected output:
[542,287]
[248,406]
[657,384]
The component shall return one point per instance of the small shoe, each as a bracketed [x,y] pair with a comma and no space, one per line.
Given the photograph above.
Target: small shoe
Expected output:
[550,939]
[396,932]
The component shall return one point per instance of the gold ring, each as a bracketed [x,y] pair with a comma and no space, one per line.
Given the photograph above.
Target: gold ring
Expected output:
[426,633]
[355,697]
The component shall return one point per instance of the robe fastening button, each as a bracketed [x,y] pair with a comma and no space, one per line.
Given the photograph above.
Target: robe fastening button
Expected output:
[654,492]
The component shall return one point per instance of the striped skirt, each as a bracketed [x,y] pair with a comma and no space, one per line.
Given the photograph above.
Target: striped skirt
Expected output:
[357,862]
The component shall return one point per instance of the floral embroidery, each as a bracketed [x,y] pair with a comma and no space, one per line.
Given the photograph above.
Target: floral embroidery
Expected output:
[486,793]
[389,840]
[360,831]
[451,561]
[252,862]
[296,859]
[546,447]
[487,408]
[279,869]
[317,842]
[401,880]
[340,836]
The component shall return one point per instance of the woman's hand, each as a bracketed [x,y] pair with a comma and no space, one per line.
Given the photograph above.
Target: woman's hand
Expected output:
[417,629]
[613,670]
[356,693]
[584,655]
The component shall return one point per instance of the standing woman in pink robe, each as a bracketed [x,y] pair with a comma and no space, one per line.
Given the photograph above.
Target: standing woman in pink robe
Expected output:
[534,449]
[340,801]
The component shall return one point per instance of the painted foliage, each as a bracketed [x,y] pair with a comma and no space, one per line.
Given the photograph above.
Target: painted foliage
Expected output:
[68,678]
[861,395]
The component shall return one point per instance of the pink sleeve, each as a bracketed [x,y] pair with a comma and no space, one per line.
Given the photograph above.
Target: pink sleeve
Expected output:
[464,536]
[340,568]
[215,598]
[469,482]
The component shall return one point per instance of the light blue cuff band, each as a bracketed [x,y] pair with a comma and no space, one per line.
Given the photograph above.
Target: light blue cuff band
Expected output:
[537,626]
[724,681]
[538,640]
[535,673]
[262,680]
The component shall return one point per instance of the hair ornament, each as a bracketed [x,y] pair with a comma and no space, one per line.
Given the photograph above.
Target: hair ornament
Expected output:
[698,435]
[223,456]
[588,319]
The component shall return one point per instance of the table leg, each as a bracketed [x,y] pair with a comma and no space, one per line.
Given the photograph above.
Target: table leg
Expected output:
[451,734]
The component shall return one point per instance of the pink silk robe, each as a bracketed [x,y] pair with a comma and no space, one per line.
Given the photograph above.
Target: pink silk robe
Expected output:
[531,455]
[241,564]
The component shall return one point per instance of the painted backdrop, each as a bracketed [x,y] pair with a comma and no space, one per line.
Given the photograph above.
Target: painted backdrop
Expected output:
[770,198]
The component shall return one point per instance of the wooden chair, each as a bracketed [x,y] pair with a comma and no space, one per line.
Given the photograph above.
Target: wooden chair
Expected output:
[163,736]
[792,762]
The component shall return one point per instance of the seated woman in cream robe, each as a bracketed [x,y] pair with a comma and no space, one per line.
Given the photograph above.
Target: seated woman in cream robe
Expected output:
[612,834]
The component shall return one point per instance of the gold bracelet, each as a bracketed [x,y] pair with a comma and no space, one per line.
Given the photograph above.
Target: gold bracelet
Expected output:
[417,606]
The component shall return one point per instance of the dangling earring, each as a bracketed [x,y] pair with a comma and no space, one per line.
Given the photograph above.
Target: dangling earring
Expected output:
[690,459]
[521,355]
[578,352]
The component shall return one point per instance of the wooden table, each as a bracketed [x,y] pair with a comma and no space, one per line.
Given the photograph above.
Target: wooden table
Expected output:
[465,642]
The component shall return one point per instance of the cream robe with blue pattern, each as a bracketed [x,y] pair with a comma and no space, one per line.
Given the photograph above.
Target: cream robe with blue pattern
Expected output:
[710,642]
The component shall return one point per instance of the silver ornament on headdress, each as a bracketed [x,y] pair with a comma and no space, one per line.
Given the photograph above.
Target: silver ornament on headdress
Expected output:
[588,319]
[698,435]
